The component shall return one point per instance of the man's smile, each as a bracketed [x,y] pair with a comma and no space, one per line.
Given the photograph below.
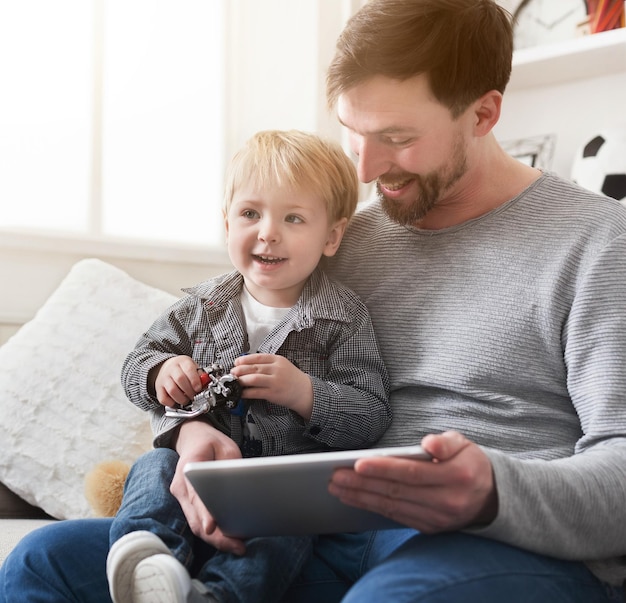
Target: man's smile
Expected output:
[394,186]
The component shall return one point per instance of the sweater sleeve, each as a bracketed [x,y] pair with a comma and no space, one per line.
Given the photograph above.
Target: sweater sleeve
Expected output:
[574,508]
[560,507]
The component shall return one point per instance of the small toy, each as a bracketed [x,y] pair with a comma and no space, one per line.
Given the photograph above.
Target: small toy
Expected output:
[220,390]
[104,484]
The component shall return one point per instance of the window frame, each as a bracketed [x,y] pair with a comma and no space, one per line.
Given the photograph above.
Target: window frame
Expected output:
[330,16]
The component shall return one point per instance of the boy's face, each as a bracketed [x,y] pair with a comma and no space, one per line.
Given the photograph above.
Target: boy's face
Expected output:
[276,237]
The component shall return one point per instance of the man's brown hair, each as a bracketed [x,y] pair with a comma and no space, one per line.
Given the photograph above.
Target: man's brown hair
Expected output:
[464,47]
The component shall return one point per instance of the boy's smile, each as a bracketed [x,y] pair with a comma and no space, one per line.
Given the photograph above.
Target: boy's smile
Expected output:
[268,260]
[276,237]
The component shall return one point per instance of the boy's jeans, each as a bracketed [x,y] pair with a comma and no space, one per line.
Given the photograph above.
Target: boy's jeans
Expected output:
[264,573]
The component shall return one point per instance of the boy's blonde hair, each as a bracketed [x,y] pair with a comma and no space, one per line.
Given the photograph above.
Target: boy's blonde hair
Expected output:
[300,161]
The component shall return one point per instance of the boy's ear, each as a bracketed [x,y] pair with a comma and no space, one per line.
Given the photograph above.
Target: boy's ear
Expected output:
[334,237]
[225,216]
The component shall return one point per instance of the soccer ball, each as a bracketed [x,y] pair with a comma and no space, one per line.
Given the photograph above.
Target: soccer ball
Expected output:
[600,164]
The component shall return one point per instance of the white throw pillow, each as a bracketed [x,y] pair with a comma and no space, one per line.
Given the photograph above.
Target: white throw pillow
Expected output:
[63,407]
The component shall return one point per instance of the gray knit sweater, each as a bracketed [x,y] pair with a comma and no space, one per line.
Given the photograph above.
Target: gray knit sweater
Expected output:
[511,328]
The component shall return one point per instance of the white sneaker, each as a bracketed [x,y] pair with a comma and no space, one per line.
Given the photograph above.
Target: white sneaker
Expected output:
[123,558]
[141,569]
[163,579]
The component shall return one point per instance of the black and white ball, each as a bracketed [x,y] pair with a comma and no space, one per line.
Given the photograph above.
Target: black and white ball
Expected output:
[600,164]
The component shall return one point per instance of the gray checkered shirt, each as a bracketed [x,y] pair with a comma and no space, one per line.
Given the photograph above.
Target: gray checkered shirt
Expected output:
[328,334]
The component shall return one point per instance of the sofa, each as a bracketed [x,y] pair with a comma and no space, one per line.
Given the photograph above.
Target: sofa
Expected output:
[63,407]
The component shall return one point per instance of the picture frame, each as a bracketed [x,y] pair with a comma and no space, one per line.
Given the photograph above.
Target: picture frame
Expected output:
[535,151]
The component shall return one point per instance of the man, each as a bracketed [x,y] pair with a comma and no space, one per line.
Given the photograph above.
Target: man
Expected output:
[498,294]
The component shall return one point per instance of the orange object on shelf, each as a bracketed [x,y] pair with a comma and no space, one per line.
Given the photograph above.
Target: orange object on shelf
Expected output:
[605,15]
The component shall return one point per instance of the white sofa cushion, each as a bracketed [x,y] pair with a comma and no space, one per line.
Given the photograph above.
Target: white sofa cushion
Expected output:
[13,530]
[63,407]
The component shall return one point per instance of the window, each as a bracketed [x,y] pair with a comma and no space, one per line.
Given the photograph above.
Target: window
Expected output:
[111,118]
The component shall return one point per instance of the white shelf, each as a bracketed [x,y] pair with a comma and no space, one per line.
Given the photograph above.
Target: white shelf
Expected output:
[580,58]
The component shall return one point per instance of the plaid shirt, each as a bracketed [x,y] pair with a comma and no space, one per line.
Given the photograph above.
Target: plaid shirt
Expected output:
[328,334]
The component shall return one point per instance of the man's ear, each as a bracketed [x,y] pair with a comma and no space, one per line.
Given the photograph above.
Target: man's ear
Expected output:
[487,112]
[334,237]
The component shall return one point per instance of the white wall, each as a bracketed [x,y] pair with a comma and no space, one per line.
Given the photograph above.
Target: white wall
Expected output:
[279,50]
[573,111]
[582,90]
[279,53]
[32,267]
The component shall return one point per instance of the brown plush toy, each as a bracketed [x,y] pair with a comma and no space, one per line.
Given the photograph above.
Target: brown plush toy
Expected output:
[104,487]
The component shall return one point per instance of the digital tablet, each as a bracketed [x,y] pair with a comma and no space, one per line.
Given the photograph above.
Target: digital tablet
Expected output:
[286,495]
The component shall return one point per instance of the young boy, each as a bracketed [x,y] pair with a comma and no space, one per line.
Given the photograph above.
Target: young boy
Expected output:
[302,347]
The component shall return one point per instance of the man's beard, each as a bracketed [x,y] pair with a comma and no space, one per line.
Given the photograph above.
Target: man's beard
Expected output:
[431,188]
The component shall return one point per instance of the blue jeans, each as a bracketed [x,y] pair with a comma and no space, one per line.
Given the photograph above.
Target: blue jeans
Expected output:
[65,562]
[405,566]
[264,573]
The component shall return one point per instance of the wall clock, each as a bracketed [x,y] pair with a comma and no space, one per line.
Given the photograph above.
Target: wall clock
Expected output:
[545,21]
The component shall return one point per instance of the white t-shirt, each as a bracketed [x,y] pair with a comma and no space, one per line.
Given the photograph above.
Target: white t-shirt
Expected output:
[260,320]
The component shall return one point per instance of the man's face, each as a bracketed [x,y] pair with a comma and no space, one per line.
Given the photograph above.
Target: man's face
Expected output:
[408,143]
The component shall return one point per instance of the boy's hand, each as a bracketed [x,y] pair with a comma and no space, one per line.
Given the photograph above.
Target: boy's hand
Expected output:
[273,378]
[176,381]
